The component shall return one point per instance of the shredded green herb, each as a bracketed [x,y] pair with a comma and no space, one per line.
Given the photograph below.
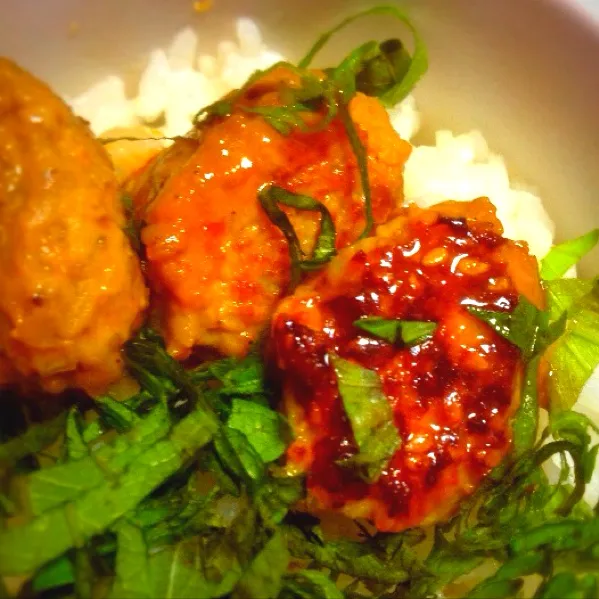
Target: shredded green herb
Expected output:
[527,327]
[566,333]
[566,255]
[170,531]
[370,416]
[324,249]
[37,437]
[384,70]
[362,159]
[408,332]
[115,485]
[575,355]
[413,67]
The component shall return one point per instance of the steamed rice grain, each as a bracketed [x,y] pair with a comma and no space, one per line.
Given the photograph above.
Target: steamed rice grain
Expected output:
[462,167]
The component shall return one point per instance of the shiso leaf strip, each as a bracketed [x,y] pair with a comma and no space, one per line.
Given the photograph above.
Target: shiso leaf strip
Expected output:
[566,335]
[527,327]
[417,66]
[370,416]
[408,332]
[308,584]
[174,493]
[516,512]
[262,427]
[211,540]
[49,535]
[532,331]
[362,160]
[575,355]
[145,505]
[35,439]
[324,249]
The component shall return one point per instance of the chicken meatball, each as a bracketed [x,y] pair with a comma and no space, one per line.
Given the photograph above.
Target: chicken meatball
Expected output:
[216,261]
[71,289]
[451,394]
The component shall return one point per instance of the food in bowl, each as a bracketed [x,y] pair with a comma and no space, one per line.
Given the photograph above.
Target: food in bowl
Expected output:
[331,339]
[451,392]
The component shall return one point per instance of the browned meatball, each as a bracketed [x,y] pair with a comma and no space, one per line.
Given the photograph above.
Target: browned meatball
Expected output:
[450,397]
[71,290]
[217,263]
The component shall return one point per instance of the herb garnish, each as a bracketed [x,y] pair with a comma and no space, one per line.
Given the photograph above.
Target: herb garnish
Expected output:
[385,70]
[398,63]
[566,334]
[408,332]
[565,255]
[575,355]
[516,518]
[152,512]
[527,327]
[111,481]
[362,160]
[370,416]
[324,248]
[531,330]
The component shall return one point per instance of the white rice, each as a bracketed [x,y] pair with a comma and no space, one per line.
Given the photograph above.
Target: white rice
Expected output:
[461,167]
[177,82]
[181,79]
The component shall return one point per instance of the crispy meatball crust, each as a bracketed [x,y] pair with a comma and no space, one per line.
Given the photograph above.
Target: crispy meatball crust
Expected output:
[218,264]
[452,396]
[71,289]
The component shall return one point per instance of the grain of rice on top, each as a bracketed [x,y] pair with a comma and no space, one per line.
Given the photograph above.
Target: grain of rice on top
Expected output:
[181,79]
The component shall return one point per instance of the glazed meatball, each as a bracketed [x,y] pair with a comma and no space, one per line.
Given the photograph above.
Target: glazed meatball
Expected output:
[217,263]
[451,395]
[71,290]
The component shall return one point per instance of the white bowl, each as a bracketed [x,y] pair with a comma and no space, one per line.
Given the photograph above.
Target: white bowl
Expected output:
[522,71]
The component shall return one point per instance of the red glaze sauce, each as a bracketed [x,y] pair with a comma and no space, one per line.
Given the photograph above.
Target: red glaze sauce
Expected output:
[217,264]
[452,396]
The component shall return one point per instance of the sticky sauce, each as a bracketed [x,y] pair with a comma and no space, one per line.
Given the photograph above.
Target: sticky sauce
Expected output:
[217,261]
[452,396]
